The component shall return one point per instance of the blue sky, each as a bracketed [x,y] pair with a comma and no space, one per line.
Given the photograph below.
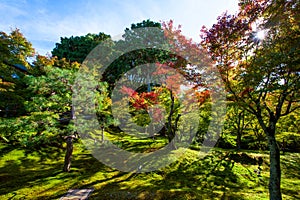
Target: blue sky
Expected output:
[43,22]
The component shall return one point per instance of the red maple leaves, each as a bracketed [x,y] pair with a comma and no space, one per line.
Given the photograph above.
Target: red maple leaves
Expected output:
[142,100]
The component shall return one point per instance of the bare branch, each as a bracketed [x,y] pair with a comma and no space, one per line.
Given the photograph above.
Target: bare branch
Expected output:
[290,110]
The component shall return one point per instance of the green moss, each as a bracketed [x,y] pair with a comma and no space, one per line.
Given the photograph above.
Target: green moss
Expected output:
[219,174]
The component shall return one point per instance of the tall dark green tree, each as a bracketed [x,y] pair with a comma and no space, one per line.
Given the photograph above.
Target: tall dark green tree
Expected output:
[144,34]
[78,47]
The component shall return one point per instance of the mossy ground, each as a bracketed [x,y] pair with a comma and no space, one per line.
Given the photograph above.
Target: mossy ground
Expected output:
[220,174]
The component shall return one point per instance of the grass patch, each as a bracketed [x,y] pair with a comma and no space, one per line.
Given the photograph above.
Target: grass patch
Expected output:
[220,174]
[135,144]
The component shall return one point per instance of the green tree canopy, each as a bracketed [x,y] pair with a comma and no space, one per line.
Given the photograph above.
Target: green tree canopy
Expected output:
[78,47]
[261,75]
[15,51]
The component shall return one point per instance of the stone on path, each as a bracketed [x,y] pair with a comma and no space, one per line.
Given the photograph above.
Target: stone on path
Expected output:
[77,194]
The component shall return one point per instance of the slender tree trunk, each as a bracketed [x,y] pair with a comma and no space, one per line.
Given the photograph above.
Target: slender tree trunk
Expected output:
[275,172]
[102,134]
[238,139]
[170,130]
[239,136]
[240,128]
[68,156]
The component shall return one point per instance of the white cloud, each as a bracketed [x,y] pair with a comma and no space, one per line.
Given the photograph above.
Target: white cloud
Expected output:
[44,26]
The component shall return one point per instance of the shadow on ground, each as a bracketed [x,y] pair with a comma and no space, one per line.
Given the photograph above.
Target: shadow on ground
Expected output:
[218,175]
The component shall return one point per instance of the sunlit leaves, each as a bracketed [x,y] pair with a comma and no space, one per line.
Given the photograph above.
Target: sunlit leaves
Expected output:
[51,91]
[15,50]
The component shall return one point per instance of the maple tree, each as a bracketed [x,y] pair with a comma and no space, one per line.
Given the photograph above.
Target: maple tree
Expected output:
[203,80]
[261,75]
[178,57]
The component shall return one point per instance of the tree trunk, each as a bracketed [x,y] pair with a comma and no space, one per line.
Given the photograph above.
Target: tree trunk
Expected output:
[102,134]
[275,172]
[69,152]
[240,127]
[170,130]
[238,139]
